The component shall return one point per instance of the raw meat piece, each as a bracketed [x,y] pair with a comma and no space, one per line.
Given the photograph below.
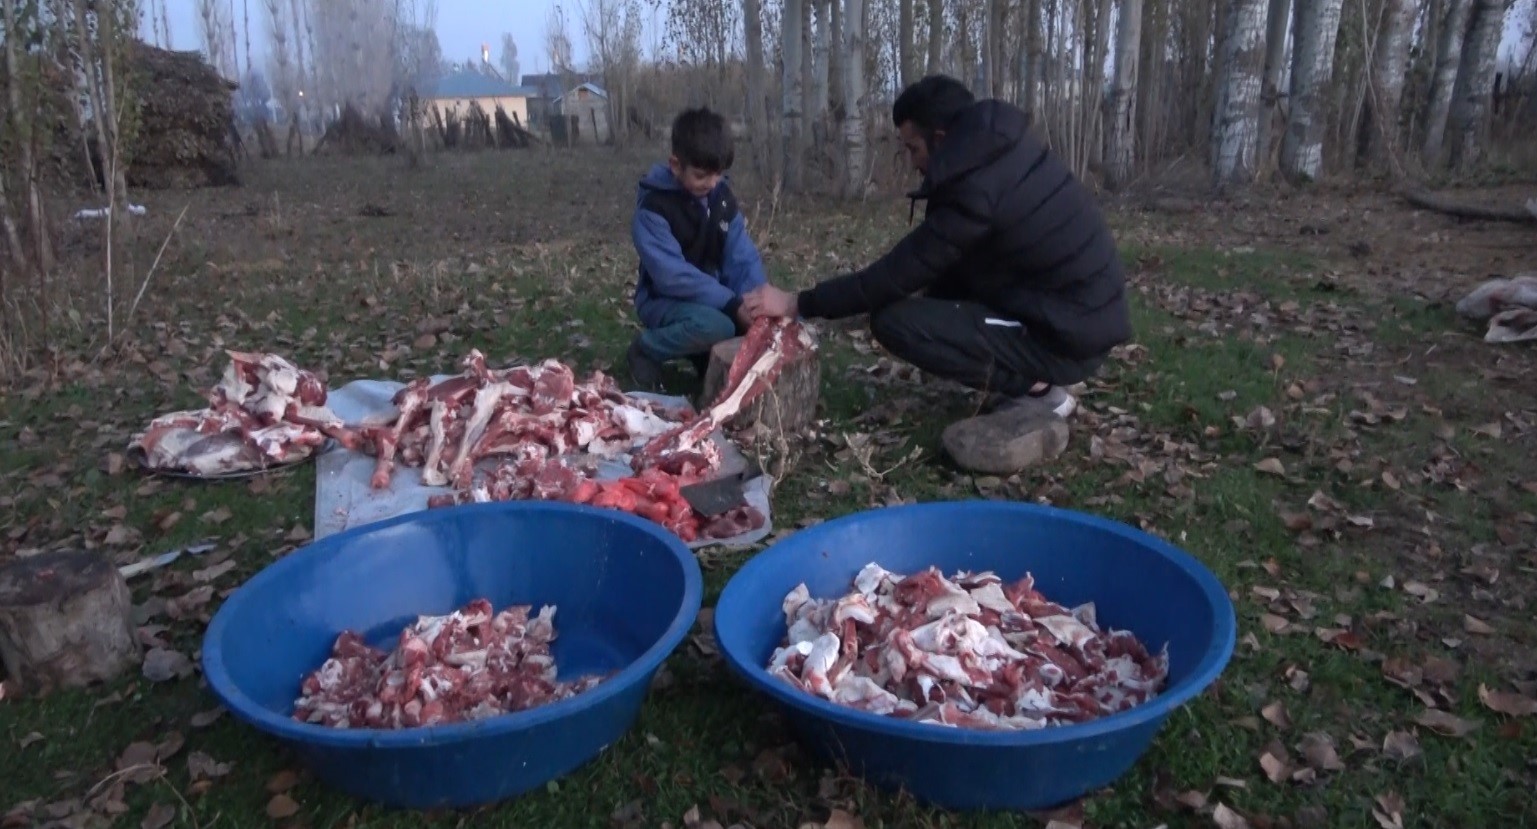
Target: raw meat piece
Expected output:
[969,652]
[467,665]
[769,344]
[447,427]
[263,411]
[654,494]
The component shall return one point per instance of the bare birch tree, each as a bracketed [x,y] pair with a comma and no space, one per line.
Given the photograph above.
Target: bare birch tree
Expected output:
[936,36]
[1121,106]
[856,150]
[1235,125]
[1390,64]
[791,39]
[1317,27]
[907,56]
[1453,30]
[1277,37]
[1475,81]
[757,114]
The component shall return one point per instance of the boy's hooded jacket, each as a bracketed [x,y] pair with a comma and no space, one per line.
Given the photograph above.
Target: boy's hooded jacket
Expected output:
[1008,226]
[690,251]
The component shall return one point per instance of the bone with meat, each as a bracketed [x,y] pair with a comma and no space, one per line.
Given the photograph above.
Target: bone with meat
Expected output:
[263,411]
[446,428]
[467,665]
[770,343]
[968,652]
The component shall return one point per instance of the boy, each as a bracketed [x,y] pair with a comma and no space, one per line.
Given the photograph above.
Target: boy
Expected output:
[696,260]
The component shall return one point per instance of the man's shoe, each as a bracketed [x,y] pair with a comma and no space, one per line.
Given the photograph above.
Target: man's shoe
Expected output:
[1005,442]
[1056,400]
[645,373]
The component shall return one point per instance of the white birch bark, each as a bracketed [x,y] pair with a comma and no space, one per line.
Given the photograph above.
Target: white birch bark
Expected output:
[936,35]
[791,30]
[1454,27]
[854,144]
[1302,147]
[819,55]
[1389,67]
[1235,119]
[757,94]
[1121,106]
[1277,30]
[906,57]
[1475,82]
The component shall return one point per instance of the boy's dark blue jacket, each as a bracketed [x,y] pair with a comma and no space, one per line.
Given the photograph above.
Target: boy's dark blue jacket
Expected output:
[690,252]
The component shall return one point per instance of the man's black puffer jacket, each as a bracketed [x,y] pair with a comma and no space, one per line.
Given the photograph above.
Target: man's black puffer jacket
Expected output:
[1006,225]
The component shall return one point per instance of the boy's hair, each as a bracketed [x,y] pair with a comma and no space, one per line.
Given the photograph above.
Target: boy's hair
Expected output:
[931,104]
[701,140]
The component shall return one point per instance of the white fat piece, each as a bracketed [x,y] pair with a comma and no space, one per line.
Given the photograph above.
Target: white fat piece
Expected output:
[991,597]
[1067,630]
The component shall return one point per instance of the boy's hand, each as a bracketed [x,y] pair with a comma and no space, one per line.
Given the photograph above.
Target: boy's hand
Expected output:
[744,316]
[769,301]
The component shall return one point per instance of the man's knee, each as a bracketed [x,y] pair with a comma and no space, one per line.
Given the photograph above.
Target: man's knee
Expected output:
[894,325]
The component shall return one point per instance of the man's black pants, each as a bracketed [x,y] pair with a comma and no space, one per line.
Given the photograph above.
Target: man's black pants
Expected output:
[969,344]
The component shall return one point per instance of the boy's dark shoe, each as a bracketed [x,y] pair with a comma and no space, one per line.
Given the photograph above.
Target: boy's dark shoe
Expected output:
[701,363]
[645,373]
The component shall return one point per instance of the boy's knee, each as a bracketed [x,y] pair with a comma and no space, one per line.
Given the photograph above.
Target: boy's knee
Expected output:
[711,326]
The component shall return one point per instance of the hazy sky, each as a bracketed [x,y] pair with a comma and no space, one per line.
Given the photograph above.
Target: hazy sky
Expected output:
[463,25]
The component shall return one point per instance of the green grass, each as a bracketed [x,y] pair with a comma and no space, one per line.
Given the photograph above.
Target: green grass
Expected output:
[702,739]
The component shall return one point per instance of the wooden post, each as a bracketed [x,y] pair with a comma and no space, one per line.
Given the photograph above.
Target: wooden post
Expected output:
[66,620]
[786,408]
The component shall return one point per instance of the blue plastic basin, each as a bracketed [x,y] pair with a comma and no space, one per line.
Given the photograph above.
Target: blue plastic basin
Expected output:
[1137,582]
[626,593]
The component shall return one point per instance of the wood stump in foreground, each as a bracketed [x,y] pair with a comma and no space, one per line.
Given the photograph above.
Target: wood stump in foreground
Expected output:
[66,620]
[786,408]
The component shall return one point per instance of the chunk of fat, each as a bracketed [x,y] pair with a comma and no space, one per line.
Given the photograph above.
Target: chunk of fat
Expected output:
[871,577]
[781,657]
[853,606]
[991,596]
[639,423]
[823,653]
[863,693]
[1067,630]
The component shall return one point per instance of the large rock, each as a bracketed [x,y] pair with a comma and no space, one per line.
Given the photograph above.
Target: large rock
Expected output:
[1005,442]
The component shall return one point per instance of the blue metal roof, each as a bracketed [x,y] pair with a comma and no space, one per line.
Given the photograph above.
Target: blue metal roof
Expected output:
[476,85]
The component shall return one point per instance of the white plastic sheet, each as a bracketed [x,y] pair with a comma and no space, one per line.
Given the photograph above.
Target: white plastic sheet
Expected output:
[344,499]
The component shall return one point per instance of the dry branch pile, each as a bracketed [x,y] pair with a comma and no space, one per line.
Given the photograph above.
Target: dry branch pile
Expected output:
[185,121]
[353,133]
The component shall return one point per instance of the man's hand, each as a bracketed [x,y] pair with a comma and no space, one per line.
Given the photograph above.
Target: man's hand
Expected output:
[769,301]
[744,314]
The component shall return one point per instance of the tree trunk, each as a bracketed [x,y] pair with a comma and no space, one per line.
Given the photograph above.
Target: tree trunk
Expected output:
[819,60]
[1475,82]
[997,23]
[784,410]
[854,144]
[1035,61]
[1381,125]
[1454,28]
[936,35]
[1276,30]
[793,93]
[1235,121]
[1121,108]
[906,49]
[1317,27]
[812,133]
[757,93]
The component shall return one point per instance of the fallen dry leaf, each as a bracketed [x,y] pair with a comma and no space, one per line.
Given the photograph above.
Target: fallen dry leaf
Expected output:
[203,719]
[201,766]
[1390,814]
[161,665]
[281,806]
[282,782]
[1476,626]
[1271,466]
[1192,799]
[1506,702]
[1275,714]
[1400,745]
[159,816]
[30,738]
[1226,818]
[1318,748]
[1274,767]
[1273,623]
[216,516]
[1424,592]
[1445,724]
[840,819]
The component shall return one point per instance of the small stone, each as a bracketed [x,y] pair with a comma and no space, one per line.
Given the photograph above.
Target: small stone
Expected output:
[1004,442]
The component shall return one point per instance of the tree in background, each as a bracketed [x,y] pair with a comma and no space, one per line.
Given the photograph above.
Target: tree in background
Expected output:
[510,66]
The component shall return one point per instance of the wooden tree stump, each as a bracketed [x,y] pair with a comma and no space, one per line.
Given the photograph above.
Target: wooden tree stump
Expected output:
[66,620]
[786,408]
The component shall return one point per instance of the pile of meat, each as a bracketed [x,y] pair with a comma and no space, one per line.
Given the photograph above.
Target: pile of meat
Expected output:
[526,412]
[264,412]
[969,651]
[468,665]
[530,418]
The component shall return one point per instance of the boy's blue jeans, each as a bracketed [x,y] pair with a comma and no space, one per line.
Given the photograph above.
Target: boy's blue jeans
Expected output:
[688,330]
